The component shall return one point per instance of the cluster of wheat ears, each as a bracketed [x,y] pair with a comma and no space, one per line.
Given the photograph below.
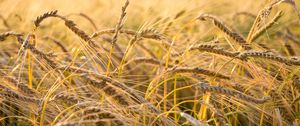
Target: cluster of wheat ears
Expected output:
[121,76]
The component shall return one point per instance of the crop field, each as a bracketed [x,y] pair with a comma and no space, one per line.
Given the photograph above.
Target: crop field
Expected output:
[149,63]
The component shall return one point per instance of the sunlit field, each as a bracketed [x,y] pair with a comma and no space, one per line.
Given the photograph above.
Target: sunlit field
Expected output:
[149,62]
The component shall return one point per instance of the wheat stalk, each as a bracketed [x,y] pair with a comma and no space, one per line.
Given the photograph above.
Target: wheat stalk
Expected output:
[217,113]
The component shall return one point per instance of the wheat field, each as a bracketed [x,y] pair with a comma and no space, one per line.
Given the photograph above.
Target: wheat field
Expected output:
[149,62]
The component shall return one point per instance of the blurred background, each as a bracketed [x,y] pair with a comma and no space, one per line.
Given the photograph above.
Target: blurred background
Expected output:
[105,13]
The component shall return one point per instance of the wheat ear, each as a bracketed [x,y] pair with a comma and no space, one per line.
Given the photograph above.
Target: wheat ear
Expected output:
[42,55]
[218,89]
[197,70]
[40,18]
[146,60]
[260,31]
[120,22]
[23,87]
[262,15]
[268,55]
[4,35]
[214,49]
[69,98]
[108,90]
[234,35]
[70,24]
[150,34]
[14,95]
